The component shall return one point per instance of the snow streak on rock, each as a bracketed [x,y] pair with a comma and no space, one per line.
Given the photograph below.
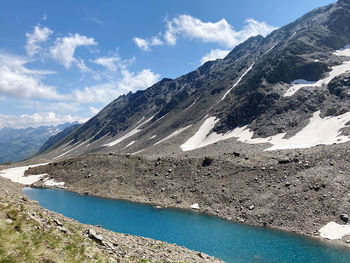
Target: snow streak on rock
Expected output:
[175,133]
[238,81]
[336,71]
[129,134]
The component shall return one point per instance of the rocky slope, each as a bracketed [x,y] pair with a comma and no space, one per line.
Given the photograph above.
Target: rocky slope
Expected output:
[273,87]
[29,233]
[295,190]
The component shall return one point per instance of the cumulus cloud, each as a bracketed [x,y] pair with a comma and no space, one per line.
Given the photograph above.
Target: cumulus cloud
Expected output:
[107,92]
[64,49]
[34,39]
[110,63]
[18,81]
[220,32]
[136,81]
[147,44]
[214,54]
[36,120]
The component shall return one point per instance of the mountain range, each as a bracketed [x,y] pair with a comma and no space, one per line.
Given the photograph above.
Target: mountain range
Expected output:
[19,144]
[288,90]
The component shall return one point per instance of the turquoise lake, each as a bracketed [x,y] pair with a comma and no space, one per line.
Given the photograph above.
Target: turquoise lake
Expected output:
[234,243]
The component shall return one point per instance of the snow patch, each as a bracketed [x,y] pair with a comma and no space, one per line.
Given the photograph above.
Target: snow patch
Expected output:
[318,131]
[140,151]
[336,71]
[129,134]
[239,80]
[16,174]
[52,182]
[271,48]
[334,231]
[182,88]
[191,105]
[200,138]
[175,133]
[131,143]
[154,136]
[195,206]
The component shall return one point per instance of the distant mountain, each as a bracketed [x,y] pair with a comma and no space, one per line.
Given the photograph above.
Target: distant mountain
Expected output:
[288,90]
[56,138]
[19,144]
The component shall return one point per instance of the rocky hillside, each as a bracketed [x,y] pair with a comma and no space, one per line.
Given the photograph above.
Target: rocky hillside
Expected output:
[275,91]
[294,190]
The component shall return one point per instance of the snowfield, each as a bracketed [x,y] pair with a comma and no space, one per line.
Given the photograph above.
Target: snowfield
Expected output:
[336,71]
[17,174]
[318,131]
[334,231]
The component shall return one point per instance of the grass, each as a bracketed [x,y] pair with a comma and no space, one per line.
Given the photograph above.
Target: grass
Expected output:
[25,239]
[150,261]
[30,235]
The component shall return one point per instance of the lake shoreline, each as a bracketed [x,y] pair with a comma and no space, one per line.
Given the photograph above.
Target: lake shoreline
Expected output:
[115,247]
[190,229]
[161,205]
[291,192]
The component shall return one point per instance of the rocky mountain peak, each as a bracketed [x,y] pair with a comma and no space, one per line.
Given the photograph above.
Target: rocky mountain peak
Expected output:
[267,90]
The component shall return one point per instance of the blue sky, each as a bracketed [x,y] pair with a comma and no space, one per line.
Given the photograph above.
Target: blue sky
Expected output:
[65,60]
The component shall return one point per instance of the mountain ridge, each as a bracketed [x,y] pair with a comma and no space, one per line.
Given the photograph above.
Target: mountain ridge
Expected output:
[252,87]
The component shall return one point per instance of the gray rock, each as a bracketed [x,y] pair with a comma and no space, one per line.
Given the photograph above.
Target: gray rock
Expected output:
[57,222]
[344,218]
[63,229]
[93,235]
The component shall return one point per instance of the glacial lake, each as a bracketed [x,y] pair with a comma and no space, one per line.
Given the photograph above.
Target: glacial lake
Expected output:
[234,243]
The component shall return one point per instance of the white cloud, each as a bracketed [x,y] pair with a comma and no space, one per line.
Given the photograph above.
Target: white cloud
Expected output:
[107,92]
[133,82]
[64,49]
[110,63]
[93,110]
[147,44]
[39,35]
[36,120]
[43,106]
[220,32]
[18,81]
[214,54]
[82,66]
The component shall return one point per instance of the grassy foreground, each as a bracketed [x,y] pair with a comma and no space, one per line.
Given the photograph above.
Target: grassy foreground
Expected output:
[31,234]
[32,238]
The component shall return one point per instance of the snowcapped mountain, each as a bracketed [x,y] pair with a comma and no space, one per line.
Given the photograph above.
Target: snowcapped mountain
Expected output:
[288,90]
[19,144]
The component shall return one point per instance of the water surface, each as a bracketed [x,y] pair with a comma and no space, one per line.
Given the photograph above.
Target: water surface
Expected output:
[234,243]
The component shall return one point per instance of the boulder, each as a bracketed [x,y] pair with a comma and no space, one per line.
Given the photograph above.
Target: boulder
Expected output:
[93,235]
[344,218]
